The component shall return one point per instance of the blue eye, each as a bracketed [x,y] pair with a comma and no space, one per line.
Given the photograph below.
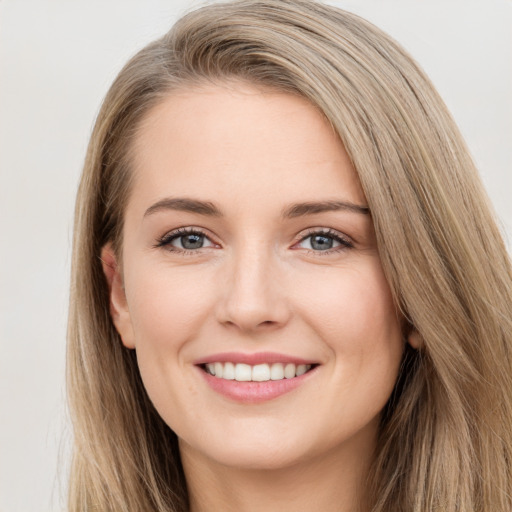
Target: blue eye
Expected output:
[324,241]
[321,242]
[185,240]
[191,241]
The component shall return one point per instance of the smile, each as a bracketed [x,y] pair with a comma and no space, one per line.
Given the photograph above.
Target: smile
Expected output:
[255,378]
[256,373]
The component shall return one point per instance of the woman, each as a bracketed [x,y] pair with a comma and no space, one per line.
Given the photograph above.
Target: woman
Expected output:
[288,288]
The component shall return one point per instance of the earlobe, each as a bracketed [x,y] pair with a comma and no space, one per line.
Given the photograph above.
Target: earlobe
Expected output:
[414,339]
[118,304]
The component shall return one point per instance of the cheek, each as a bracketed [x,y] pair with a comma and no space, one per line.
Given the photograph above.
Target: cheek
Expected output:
[352,312]
[350,304]
[166,307]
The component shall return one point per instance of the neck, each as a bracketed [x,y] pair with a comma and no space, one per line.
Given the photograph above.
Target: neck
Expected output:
[330,483]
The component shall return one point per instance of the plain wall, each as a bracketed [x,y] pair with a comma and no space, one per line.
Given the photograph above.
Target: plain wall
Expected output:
[57,59]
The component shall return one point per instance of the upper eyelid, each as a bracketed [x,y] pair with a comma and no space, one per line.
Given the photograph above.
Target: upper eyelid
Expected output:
[166,238]
[185,230]
[324,231]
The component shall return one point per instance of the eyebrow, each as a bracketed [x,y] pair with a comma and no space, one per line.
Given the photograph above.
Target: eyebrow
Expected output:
[310,208]
[184,204]
[207,208]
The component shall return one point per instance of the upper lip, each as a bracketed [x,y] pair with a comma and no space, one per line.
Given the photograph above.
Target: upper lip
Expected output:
[253,359]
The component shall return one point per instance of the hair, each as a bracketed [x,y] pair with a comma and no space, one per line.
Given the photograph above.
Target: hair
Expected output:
[445,439]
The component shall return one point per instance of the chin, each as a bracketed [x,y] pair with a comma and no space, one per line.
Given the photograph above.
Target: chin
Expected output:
[263,451]
[258,459]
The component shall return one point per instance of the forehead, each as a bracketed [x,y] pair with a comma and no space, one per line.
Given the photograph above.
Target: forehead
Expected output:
[238,141]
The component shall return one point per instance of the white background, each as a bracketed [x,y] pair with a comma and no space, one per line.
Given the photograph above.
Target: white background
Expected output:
[57,59]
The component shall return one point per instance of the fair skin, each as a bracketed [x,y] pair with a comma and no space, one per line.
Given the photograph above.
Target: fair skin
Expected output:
[257,273]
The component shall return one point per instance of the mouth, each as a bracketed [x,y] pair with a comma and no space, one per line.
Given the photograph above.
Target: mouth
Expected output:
[255,378]
[262,372]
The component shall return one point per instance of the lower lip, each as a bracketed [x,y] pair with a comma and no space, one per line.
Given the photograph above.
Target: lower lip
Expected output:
[254,392]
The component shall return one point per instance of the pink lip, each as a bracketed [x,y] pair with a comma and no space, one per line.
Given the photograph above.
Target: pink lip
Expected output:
[252,359]
[253,392]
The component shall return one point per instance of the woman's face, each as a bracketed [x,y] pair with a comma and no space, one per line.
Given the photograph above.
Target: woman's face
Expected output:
[248,251]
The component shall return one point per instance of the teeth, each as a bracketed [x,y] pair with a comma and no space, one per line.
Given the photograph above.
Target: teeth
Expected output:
[301,370]
[228,371]
[258,373]
[218,370]
[289,371]
[242,372]
[276,371]
[261,372]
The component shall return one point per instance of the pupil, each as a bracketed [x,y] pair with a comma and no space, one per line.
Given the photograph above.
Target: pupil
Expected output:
[321,242]
[192,241]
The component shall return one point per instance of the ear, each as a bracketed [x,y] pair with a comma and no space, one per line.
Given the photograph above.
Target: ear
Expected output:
[414,339]
[118,304]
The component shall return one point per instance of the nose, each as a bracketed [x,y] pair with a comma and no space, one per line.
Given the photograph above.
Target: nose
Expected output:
[253,297]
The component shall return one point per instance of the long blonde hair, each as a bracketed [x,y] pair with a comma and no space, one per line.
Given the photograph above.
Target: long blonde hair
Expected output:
[446,434]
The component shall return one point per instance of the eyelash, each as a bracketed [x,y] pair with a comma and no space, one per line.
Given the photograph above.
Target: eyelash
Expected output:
[345,242]
[166,240]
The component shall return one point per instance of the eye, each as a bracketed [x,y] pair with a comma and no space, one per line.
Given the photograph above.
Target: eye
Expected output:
[185,239]
[190,241]
[322,241]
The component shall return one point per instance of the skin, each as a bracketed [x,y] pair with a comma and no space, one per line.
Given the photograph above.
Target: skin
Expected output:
[256,285]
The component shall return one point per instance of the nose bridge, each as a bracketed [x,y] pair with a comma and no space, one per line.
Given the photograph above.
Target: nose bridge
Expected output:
[253,297]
